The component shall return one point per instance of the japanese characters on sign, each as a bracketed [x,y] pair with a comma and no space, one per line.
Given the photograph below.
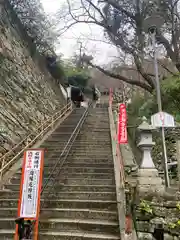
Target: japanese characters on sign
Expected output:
[122,125]
[31,181]
[162,119]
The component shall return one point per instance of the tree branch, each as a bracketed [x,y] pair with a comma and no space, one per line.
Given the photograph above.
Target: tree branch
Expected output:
[122,78]
[162,40]
[142,72]
[118,7]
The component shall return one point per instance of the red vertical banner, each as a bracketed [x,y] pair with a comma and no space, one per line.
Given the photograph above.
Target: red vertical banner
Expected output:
[128,225]
[122,124]
[30,188]
[110,96]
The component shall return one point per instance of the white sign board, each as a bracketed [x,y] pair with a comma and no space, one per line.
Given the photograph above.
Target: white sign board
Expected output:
[162,119]
[31,181]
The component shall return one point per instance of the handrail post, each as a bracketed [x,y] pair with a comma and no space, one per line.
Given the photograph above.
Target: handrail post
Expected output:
[27,142]
[42,128]
[52,123]
[47,124]
[2,165]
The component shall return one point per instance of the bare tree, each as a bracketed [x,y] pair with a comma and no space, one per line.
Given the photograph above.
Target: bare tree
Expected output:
[123,24]
[35,22]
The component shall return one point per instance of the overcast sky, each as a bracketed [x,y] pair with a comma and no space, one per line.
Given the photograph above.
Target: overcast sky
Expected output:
[102,52]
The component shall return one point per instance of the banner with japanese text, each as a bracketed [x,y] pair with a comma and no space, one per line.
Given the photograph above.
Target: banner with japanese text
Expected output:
[122,125]
[31,183]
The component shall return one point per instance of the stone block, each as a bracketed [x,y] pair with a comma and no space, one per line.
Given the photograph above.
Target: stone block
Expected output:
[145,236]
[144,226]
[150,189]
[148,173]
[168,237]
[149,181]
[176,238]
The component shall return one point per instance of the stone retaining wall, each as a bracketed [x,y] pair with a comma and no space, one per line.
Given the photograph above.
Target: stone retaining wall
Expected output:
[158,213]
[28,95]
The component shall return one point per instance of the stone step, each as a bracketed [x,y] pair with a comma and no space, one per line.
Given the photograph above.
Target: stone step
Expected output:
[7,234]
[80,146]
[81,161]
[67,213]
[81,158]
[86,181]
[65,173]
[95,146]
[61,141]
[64,170]
[92,137]
[71,163]
[100,134]
[66,224]
[80,154]
[78,181]
[72,187]
[66,203]
[102,142]
[83,170]
[91,154]
[65,195]
[94,131]
[17,176]
[86,153]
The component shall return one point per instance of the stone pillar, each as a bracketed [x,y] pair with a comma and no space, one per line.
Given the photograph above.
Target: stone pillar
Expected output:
[148,178]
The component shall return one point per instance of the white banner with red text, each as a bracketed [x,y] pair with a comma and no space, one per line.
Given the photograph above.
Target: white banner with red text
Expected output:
[31,183]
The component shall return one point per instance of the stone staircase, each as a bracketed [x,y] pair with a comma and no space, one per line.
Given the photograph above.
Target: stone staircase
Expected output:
[79,203]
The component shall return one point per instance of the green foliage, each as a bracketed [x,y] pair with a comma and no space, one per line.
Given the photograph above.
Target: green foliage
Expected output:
[78,80]
[134,120]
[176,224]
[57,71]
[66,70]
[72,70]
[147,105]
[171,95]
[172,225]
[145,207]
[178,206]
[76,76]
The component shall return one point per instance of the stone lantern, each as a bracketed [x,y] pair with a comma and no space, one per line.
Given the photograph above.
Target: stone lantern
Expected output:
[148,177]
[146,144]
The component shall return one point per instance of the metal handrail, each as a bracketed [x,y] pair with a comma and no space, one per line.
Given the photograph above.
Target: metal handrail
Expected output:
[119,155]
[119,175]
[43,127]
[27,137]
[66,149]
[63,156]
[122,175]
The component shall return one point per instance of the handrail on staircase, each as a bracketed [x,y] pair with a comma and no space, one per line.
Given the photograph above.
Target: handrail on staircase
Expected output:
[119,175]
[8,159]
[66,148]
[125,224]
[118,150]
[63,157]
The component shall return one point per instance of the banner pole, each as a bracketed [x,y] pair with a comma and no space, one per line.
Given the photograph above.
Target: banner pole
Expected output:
[36,229]
[30,193]
[20,195]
